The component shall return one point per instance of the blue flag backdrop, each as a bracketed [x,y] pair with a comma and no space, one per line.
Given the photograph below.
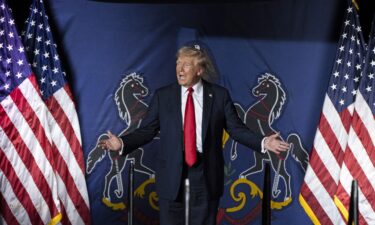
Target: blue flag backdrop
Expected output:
[109,48]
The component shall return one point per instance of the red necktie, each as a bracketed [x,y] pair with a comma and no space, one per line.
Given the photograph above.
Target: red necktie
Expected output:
[189,130]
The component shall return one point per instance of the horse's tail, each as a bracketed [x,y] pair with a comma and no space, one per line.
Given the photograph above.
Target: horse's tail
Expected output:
[298,152]
[96,155]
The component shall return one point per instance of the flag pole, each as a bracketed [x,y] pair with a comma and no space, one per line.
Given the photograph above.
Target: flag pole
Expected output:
[130,193]
[266,206]
[353,208]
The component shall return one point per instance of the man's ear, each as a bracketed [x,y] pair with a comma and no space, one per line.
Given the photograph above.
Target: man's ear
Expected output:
[200,71]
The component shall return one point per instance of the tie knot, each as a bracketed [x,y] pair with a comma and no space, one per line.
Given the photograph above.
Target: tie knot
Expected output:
[190,90]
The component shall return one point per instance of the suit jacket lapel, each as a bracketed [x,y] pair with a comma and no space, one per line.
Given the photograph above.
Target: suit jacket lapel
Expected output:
[176,106]
[208,97]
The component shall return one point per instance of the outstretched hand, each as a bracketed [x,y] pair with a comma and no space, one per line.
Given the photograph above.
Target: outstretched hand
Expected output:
[112,143]
[274,144]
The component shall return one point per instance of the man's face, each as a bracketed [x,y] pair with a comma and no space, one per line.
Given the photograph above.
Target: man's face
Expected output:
[187,71]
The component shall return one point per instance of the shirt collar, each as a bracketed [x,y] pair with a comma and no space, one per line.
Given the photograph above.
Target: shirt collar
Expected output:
[198,88]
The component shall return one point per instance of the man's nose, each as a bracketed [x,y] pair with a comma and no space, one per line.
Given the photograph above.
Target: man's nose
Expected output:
[180,68]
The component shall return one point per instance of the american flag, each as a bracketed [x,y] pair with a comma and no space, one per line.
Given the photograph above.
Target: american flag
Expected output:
[359,159]
[62,117]
[28,183]
[323,173]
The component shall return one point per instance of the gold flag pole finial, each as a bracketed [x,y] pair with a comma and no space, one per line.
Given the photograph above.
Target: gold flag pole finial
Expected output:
[355,4]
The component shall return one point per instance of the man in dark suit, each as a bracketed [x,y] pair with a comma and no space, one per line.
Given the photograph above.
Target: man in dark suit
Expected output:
[206,110]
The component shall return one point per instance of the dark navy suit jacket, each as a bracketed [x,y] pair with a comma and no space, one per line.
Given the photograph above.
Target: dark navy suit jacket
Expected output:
[164,115]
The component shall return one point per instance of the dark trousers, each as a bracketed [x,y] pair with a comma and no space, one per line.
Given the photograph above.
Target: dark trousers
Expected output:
[202,209]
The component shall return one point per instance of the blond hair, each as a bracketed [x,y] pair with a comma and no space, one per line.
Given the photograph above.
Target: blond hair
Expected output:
[203,60]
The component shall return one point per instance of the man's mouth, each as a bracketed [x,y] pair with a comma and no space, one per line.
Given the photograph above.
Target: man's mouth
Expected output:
[181,77]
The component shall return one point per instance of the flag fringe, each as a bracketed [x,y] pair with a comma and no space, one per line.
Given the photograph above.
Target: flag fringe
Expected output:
[308,210]
[344,212]
[55,220]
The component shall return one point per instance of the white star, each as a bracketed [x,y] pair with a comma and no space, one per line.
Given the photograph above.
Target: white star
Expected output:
[338,61]
[342,102]
[336,74]
[371,76]
[350,9]
[354,92]
[35,64]
[36,51]
[373,50]
[46,55]
[6,86]
[1,45]
[19,75]
[358,66]
[368,88]
[29,36]
[56,57]
[347,22]
[9,60]
[21,49]
[20,62]
[344,89]
[39,38]
[333,86]
[352,38]
[10,47]
[7,73]
[40,26]
[372,63]
[350,51]
[11,35]
[35,10]
[43,80]
[344,35]
[44,68]
[2,32]
[349,64]
[11,22]
[359,29]
[54,83]
[346,76]
[32,23]
[356,79]
[55,70]
[48,42]
[341,48]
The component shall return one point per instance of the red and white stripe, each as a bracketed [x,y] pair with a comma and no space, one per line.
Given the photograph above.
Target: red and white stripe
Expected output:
[66,136]
[28,181]
[323,172]
[359,163]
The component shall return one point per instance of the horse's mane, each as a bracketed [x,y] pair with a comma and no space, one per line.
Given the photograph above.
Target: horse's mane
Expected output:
[118,95]
[276,112]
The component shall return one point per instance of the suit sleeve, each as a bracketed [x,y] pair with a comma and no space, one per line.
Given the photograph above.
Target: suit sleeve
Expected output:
[237,129]
[147,131]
